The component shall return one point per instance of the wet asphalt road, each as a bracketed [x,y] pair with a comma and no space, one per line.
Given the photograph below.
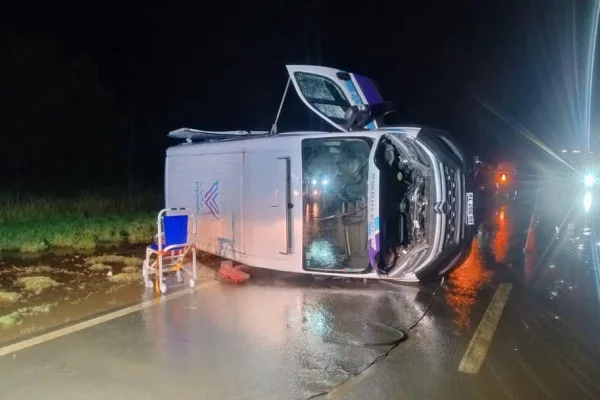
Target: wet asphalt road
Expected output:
[276,337]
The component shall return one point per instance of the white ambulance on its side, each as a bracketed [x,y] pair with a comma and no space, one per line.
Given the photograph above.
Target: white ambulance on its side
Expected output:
[369,201]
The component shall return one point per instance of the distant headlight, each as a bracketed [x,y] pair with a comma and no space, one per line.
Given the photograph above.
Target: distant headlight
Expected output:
[325,181]
[314,182]
[589,180]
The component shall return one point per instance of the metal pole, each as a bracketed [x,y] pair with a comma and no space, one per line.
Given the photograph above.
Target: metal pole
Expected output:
[274,127]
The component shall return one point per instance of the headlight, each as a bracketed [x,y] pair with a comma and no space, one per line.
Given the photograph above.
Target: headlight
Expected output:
[589,180]
[325,181]
[314,182]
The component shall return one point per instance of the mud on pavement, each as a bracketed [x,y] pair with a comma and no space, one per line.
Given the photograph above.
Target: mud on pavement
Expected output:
[44,291]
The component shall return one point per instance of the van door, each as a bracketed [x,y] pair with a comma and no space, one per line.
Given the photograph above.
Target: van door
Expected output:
[329,92]
[267,206]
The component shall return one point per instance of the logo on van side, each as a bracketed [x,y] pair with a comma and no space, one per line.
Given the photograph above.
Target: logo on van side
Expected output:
[206,202]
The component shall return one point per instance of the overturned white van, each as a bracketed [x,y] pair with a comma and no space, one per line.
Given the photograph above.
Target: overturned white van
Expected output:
[370,201]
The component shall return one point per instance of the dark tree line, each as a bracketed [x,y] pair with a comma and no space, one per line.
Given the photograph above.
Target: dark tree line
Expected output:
[58,120]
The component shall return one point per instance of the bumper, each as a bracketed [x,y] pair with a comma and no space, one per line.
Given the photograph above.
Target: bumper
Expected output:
[452,257]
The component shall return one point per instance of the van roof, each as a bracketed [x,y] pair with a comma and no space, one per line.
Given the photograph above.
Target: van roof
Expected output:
[227,141]
[196,135]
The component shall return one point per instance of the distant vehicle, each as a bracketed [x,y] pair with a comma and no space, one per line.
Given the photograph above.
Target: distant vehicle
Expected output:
[499,181]
[505,177]
[580,167]
[572,182]
[371,201]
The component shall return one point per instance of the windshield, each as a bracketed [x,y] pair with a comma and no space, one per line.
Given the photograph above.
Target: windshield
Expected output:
[335,194]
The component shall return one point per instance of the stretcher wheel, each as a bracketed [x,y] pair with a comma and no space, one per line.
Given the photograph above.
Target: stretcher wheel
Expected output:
[192,283]
[147,280]
[148,284]
[163,287]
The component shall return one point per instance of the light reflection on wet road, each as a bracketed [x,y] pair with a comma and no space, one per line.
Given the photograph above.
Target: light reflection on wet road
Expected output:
[274,337]
[501,235]
[465,283]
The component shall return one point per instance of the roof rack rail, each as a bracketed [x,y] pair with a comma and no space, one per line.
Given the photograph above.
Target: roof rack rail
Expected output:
[190,134]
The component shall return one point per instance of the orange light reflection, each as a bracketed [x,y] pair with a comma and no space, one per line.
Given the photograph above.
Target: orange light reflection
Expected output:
[500,241]
[466,281]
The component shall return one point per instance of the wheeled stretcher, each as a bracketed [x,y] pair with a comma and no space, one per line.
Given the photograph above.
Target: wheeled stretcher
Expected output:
[173,244]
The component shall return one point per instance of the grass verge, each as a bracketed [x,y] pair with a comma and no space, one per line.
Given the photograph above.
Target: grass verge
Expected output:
[125,277]
[9,297]
[100,267]
[36,283]
[10,319]
[14,318]
[115,259]
[131,269]
[83,222]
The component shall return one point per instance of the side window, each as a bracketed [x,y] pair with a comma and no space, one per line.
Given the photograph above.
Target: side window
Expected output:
[324,95]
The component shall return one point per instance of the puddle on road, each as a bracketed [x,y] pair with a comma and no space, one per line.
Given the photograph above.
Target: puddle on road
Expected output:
[37,293]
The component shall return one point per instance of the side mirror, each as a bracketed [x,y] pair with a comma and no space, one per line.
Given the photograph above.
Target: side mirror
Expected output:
[356,116]
[359,115]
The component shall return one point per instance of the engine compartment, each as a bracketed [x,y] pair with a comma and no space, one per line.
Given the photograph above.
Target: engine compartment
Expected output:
[403,206]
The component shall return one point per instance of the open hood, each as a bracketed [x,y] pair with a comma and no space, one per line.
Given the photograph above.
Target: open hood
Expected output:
[330,92]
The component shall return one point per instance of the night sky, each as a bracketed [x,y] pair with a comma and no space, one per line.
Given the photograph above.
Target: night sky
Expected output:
[88,90]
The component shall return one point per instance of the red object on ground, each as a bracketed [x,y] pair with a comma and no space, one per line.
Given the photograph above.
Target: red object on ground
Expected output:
[231,273]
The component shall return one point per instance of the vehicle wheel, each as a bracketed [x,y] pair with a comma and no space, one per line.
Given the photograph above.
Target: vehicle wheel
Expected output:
[163,287]
[192,283]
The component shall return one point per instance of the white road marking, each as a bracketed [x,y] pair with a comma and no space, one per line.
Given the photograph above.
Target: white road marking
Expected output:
[481,340]
[96,321]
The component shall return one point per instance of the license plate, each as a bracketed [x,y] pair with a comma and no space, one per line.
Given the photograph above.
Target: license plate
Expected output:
[470,213]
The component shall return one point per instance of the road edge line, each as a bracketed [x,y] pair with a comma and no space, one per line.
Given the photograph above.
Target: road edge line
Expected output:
[482,338]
